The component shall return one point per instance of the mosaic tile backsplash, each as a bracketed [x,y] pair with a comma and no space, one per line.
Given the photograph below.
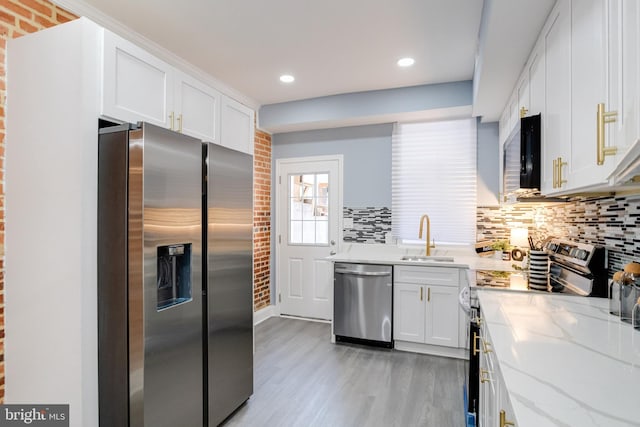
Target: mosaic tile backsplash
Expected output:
[610,221]
[370,225]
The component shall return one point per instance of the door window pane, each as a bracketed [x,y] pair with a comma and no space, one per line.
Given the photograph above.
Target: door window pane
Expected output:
[309,209]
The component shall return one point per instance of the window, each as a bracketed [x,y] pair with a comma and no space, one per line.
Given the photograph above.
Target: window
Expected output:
[433,172]
[309,209]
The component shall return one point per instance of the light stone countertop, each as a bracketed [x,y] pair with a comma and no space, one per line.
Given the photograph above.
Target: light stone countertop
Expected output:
[564,359]
[463,256]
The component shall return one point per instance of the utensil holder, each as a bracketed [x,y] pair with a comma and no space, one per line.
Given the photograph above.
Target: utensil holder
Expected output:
[538,269]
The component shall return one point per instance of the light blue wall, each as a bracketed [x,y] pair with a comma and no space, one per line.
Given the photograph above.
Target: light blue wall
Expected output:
[367,158]
[488,164]
[374,103]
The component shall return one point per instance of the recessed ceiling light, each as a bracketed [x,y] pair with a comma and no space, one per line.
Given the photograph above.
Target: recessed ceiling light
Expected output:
[287,78]
[406,62]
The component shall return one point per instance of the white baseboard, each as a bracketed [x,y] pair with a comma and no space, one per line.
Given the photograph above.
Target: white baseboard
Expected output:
[308,319]
[263,314]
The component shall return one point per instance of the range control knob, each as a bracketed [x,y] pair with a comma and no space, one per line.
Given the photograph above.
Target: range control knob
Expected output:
[582,254]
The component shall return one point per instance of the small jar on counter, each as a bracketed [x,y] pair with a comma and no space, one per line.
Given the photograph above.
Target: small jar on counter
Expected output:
[635,315]
[629,291]
[615,296]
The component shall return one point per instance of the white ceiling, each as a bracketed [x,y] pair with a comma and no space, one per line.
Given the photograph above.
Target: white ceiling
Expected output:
[330,46]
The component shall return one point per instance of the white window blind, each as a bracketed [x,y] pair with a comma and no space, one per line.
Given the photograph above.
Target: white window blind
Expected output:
[433,172]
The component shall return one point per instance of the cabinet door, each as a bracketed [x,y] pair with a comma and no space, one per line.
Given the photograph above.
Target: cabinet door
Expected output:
[408,312]
[588,79]
[237,126]
[557,125]
[523,95]
[536,82]
[503,402]
[442,316]
[197,108]
[488,394]
[624,74]
[514,113]
[136,86]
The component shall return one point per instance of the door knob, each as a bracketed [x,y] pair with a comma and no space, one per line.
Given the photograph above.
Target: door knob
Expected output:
[332,253]
[333,243]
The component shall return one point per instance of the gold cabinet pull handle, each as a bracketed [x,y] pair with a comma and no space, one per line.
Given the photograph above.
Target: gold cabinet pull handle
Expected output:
[421,289]
[172,117]
[486,348]
[476,350]
[503,420]
[555,173]
[180,123]
[428,294]
[603,117]
[484,376]
[523,112]
[560,165]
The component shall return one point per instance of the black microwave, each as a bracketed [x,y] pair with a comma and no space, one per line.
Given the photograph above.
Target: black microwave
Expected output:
[522,161]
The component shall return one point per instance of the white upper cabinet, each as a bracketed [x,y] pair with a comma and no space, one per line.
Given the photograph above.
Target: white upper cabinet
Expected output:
[589,82]
[238,126]
[624,75]
[524,103]
[556,132]
[514,114]
[586,61]
[536,81]
[137,86]
[197,108]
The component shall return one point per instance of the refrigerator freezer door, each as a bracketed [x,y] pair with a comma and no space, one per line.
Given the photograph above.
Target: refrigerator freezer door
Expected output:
[230,281]
[113,356]
[165,344]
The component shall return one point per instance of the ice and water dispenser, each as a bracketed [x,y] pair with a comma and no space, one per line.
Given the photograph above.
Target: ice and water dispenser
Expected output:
[173,275]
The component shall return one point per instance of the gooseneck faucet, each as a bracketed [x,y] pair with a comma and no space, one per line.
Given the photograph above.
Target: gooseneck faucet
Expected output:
[428,247]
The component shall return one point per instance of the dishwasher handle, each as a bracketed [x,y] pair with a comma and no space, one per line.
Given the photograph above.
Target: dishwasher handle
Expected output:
[362,273]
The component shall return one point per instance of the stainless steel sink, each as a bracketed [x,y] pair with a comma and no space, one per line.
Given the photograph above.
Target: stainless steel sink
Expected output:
[422,258]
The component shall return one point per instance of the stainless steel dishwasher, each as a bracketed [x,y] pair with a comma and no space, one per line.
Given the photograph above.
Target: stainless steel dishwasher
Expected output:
[363,303]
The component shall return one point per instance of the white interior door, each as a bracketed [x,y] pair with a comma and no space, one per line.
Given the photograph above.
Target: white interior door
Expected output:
[309,206]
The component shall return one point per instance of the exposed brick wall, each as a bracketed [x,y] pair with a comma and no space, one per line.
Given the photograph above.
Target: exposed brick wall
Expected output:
[261,219]
[17,18]
[20,17]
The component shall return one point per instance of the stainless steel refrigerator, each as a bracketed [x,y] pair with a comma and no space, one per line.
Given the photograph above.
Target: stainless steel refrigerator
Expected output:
[174,278]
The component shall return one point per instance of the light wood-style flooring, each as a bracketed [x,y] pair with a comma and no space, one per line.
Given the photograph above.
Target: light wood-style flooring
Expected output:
[301,379]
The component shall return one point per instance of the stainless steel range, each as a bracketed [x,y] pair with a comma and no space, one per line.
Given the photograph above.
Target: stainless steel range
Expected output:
[577,268]
[574,268]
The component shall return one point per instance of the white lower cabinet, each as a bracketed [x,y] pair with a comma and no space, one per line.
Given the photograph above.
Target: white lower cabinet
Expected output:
[495,405]
[409,314]
[425,307]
